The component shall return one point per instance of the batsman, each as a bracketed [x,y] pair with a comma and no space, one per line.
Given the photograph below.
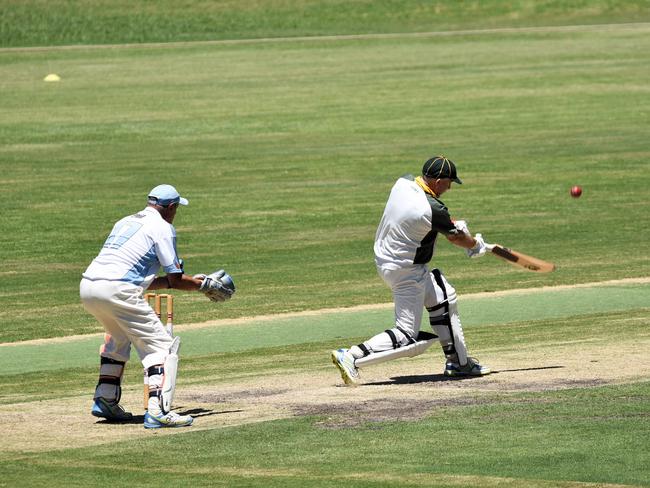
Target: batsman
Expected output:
[413,219]
[112,290]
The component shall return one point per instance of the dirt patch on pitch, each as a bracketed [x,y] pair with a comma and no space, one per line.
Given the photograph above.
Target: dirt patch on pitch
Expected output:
[407,389]
[403,390]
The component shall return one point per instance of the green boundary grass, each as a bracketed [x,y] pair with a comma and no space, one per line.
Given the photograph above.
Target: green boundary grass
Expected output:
[246,132]
[251,126]
[55,22]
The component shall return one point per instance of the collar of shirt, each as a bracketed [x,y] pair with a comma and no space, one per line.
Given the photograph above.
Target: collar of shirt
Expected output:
[152,210]
[422,184]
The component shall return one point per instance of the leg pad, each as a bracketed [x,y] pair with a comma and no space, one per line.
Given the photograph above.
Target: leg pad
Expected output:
[423,342]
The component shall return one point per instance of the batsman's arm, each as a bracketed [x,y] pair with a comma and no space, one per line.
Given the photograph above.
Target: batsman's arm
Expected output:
[461,239]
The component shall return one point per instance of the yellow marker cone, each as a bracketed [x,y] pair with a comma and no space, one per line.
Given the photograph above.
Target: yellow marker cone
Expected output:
[52,77]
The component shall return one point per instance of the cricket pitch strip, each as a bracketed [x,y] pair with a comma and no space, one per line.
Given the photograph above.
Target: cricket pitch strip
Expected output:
[406,389]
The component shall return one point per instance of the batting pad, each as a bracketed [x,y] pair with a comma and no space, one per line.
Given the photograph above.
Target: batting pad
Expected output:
[425,340]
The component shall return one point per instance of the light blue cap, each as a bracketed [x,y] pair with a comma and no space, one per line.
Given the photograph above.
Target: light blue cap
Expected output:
[166,195]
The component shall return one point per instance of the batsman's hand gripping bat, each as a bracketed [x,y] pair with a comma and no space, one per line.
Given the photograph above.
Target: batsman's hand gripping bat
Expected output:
[520,260]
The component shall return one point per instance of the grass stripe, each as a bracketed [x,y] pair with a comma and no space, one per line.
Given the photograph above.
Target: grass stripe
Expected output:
[340,37]
[476,311]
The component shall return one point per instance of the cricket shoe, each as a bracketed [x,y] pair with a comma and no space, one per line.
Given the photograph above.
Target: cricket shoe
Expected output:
[111,411]
[170,419]
[472,368]
[344,361]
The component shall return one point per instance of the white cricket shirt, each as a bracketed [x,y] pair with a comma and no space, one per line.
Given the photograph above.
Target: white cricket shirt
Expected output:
[135,250]
[410,225]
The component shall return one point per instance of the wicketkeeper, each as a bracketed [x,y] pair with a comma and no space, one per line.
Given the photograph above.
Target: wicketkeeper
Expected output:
[413,219]
[112,290]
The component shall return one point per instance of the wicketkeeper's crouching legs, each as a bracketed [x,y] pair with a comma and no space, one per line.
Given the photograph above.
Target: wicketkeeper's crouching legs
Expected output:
[106,401]
[162,385]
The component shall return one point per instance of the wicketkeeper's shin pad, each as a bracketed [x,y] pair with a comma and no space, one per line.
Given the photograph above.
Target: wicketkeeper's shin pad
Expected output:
[162,383]
[169,383]
[110,378]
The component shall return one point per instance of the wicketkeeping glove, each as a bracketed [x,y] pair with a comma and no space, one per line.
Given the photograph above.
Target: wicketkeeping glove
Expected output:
[218,286]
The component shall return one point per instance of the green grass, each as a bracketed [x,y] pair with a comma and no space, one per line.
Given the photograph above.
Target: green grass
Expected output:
[61,22]
[287,151]
[585,435]
[291,354]
[493,311]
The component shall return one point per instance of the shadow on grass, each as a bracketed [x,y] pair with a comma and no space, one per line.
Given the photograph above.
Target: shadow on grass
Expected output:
[438,378]
[194,412]
[423,378]
[136,419]
[525,369]
[202,412]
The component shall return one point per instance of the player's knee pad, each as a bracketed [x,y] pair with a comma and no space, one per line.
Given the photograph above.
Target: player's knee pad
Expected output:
[413,348]
[110,379]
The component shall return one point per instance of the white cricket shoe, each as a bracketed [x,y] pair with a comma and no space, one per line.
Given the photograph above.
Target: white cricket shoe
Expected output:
[344,361]
[171,419]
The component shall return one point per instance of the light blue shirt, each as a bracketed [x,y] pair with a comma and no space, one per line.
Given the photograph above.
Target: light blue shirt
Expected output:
[137,247]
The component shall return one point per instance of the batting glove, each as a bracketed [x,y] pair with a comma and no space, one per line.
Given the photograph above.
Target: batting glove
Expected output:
[461,226]
[479,248]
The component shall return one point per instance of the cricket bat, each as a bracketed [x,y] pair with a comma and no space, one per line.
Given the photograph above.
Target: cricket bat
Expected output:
[521,260]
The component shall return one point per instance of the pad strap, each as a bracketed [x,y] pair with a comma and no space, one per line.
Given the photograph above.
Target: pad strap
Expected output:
[437,275]
[444,319]
[110,379]
[364,349]
[408,336]
[105,360]
[437,306]
[440,320]
[393,338]
[156,369]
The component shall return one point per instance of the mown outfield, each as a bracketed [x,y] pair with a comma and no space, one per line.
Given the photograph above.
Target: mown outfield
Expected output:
[286,151]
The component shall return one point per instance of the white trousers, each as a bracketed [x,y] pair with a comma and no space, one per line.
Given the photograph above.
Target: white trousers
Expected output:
[415,288]
[127,319]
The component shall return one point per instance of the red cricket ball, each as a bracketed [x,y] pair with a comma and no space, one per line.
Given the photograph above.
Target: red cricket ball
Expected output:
[576,191]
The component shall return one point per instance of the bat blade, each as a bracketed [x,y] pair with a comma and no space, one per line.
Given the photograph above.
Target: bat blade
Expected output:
[521,260]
